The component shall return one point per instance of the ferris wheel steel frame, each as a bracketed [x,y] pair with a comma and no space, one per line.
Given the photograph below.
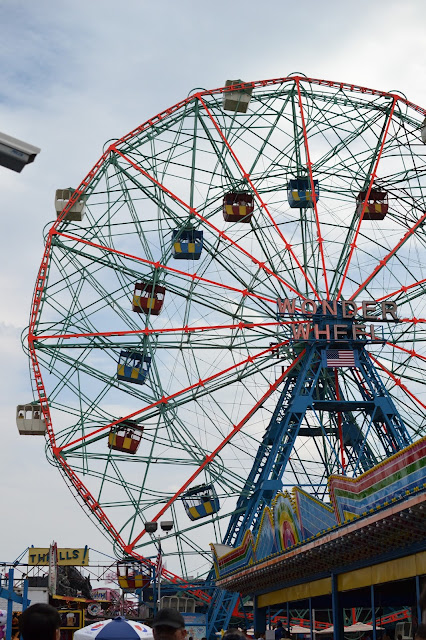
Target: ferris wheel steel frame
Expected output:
[251,506]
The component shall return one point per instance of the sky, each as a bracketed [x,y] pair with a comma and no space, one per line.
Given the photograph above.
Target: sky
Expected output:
[76,74]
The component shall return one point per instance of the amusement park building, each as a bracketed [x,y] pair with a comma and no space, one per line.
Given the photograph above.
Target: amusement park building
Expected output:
[367,550]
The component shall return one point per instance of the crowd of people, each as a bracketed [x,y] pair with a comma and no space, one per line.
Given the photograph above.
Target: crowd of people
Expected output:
[43,622]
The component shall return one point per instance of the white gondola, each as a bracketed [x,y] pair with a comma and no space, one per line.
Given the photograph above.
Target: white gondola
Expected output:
[237,101]
[29,420]
[178,603]
[76,213]
[423,131]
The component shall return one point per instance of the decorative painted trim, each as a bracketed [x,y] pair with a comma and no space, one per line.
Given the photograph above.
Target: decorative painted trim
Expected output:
[296,518]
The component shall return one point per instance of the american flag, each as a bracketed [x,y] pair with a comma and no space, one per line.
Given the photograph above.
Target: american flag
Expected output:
[159,563]
[337,358]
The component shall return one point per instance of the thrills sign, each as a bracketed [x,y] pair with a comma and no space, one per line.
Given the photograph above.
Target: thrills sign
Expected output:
[70,557]
[335,321]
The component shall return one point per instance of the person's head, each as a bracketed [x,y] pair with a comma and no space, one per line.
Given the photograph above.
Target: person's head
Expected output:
[234,634]
[399,636]
[40,622]
[420,632]
[168,624]
[279,623]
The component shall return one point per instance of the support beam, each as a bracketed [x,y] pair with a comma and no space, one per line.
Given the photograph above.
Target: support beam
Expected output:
[373,612]
[259,618]
[311,620]
[337,610]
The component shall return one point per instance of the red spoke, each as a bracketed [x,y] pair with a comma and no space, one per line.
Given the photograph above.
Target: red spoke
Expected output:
[221,234]
[370,186]
[402,290]
[397,381]
[384,261]
[147,331]
[236,428]
[314,197]
[262,203]
[166,399]
[159,265]
[362,384]
[410,352]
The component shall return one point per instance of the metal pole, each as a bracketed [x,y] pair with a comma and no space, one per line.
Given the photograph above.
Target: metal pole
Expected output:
[25,601]
[160,554]
[9,605]
[419,611]
[288,619]
[259,617]
[337,610]
[311,622]
[154,590]
[373,612]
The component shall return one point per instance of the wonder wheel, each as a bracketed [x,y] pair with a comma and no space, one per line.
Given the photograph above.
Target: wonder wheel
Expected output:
[164,375]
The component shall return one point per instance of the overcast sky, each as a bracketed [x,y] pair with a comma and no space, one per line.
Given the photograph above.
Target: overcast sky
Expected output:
[75,74]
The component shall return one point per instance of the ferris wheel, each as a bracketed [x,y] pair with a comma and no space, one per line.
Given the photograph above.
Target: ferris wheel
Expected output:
[166,375]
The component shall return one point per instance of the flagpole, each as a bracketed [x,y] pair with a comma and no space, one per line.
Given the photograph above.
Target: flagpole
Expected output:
[154,591]
[159,569]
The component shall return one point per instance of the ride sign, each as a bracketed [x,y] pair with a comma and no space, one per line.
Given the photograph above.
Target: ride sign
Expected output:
[333,320]
[65,557]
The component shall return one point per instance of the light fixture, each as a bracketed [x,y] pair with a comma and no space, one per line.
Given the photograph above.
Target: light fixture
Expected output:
[166,525]
[151,527]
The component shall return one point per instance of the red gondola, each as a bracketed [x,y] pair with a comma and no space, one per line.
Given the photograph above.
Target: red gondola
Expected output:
[132,575]
[125,437]
[148,298]
[376,206]
[238,206]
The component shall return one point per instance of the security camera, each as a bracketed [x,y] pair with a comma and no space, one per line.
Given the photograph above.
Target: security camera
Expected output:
[15,154]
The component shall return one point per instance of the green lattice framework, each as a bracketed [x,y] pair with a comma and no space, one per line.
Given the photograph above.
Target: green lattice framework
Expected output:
[215,378]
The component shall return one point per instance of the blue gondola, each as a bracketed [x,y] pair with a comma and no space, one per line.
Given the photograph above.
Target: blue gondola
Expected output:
[300,193]
[133,367]
[201,501]
[187,244]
